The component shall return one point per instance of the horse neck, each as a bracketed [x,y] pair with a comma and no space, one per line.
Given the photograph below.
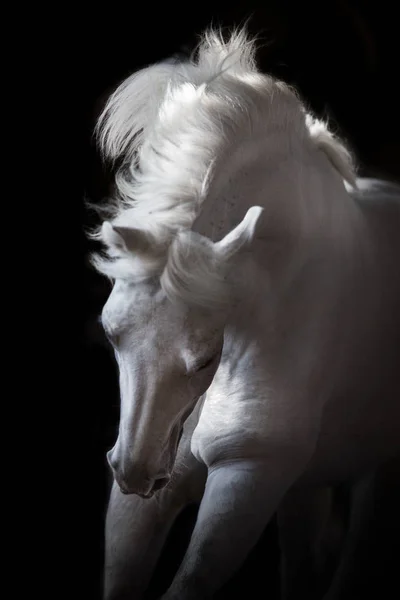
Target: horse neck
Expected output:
[310,225]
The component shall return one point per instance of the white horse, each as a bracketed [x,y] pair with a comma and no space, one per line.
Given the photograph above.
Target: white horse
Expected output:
[255,312]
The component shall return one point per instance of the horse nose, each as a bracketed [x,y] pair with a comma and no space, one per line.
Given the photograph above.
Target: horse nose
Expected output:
[143,488]
[152,486]
[133,480]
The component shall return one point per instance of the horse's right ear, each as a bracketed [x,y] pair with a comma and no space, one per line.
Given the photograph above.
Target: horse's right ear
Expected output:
[127,239]
[241,235]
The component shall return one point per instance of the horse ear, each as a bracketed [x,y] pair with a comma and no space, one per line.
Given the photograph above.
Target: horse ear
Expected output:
[128,239]
[241,235]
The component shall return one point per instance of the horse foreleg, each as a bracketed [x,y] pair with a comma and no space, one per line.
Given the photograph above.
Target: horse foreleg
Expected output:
[136,529]
[239,500]
[368,561]
[305,520]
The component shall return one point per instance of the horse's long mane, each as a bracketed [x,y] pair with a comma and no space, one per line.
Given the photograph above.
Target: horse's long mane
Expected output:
[169,123]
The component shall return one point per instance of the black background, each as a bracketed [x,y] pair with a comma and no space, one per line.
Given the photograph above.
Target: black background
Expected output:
[343,57]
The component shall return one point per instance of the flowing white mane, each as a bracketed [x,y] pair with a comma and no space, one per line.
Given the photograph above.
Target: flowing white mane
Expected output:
[169,124]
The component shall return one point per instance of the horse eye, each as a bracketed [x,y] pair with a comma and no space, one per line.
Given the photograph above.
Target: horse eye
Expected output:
[206,364]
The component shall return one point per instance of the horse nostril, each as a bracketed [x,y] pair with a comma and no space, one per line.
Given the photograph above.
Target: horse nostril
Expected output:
[160,483]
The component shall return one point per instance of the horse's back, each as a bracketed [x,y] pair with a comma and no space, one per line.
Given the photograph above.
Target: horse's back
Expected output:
[361,421]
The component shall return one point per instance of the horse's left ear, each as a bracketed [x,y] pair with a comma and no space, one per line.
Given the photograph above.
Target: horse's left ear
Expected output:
[241,235]
[127,239]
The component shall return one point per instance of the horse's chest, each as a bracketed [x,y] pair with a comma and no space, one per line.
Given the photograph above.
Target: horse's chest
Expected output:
[229,427]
